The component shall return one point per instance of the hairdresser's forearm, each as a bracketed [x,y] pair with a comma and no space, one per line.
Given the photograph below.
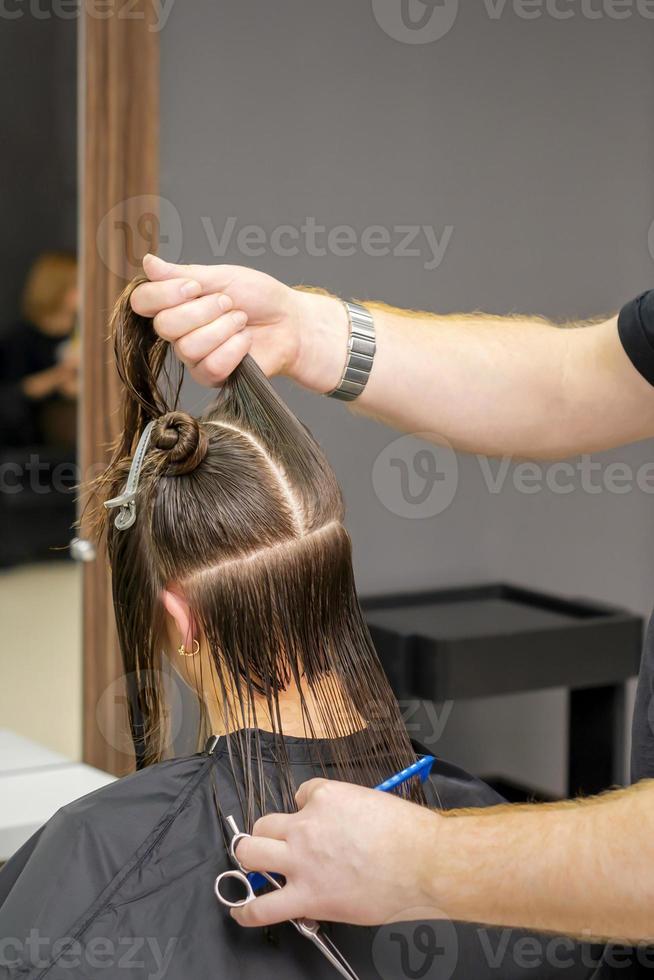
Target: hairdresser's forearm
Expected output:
[484,384]
[585,869]
[518,386]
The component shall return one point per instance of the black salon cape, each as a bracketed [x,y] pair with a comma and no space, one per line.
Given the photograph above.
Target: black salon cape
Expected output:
[120,884]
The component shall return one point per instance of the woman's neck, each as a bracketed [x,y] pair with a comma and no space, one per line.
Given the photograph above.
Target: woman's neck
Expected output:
[294,706]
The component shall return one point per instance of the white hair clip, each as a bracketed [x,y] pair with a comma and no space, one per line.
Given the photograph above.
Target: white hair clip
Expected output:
[126,501]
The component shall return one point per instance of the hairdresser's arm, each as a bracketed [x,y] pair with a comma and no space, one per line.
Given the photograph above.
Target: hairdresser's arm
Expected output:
[356,855]
[494,385]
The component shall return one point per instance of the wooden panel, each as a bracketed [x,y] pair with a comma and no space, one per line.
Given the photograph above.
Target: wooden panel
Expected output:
[118,88]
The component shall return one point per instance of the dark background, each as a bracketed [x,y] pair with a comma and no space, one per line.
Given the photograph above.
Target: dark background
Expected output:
[38,162]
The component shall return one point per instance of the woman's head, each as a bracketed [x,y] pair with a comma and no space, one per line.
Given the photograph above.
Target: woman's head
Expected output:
[238,548]
[50,295]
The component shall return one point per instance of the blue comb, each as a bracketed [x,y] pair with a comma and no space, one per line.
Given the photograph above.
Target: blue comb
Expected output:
[421,768]
[258,881]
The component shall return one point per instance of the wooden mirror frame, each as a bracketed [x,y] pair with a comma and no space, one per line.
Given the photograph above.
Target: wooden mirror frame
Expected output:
[118,84]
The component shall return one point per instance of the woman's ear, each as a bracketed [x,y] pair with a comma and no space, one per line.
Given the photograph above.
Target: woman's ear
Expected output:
[180,612]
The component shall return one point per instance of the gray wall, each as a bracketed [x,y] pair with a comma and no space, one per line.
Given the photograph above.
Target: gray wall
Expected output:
[530,138]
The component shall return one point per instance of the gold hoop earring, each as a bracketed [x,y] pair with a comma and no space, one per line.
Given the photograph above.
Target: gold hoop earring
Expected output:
[183,652]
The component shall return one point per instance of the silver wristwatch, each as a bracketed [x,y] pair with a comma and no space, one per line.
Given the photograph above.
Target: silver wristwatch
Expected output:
[360,354]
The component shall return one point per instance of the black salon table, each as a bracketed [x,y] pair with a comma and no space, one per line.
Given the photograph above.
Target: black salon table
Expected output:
[481,641]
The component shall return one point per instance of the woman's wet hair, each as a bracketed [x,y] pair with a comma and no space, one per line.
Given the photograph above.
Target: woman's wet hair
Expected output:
[241,510]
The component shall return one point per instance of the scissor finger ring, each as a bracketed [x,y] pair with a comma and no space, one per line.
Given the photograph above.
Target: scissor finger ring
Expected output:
[225,891]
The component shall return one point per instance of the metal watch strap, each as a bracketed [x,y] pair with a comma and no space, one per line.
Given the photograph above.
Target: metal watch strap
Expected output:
[360,354]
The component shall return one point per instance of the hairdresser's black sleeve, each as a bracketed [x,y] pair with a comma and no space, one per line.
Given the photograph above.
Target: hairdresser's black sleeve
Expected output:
[636,330]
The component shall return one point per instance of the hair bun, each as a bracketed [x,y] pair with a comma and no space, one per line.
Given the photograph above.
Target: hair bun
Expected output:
[182,438]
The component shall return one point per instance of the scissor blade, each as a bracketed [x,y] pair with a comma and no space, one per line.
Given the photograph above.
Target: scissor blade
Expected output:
[331,951]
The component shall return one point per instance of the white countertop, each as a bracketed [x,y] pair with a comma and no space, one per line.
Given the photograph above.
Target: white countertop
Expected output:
[34,783]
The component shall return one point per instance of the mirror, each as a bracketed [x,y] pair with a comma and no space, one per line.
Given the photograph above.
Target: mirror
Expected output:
[40,586]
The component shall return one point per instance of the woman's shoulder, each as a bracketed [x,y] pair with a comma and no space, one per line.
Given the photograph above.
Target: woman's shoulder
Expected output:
[157,784]
[452,788]
[92,842]
[114,819]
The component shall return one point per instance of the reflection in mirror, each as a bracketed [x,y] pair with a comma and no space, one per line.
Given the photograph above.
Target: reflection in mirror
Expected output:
[40,586]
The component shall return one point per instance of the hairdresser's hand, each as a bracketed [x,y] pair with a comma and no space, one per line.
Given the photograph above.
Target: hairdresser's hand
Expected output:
[214,315]
[348,855]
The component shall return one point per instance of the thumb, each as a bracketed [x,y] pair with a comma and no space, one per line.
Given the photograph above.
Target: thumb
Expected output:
[211,277]
[157,269]
[267,910]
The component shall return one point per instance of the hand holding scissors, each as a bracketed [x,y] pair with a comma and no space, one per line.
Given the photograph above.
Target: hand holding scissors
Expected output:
[308,928]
